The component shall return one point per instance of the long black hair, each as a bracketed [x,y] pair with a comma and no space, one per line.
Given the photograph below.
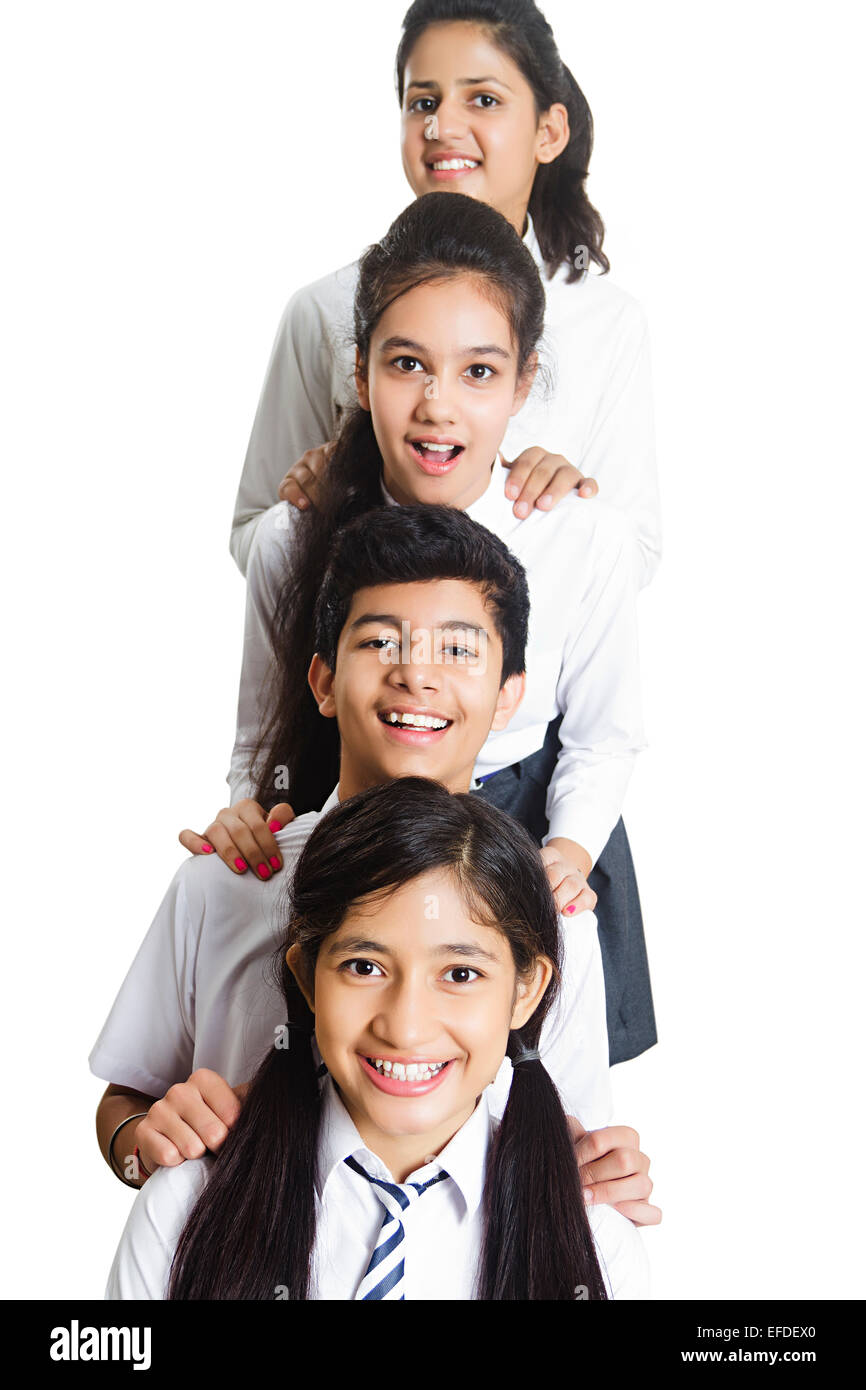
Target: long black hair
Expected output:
[562,214]
[253,1228]
[438,237]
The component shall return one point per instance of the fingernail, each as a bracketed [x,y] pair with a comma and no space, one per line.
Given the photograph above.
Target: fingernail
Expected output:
[263,871]
[522,509]
[511,491]
[207,849]
[571,909]
[302,503]
[274,862]
[274,825]
[546,500]
[588,1196]
[240,865]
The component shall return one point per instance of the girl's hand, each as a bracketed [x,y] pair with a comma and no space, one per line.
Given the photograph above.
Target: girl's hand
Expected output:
[614,1172]
[568,881]
[301,482]
[193,1118]
[539,479]
[243,835]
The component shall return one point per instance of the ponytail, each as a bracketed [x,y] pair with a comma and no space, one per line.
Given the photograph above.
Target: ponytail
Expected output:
[537,1243]
[251,1232]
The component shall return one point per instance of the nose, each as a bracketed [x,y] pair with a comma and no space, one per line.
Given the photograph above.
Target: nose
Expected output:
[452,118]
[436,402]
[417,673]
[407,1018]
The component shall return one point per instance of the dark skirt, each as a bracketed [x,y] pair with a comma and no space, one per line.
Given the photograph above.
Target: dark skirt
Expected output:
[521,790]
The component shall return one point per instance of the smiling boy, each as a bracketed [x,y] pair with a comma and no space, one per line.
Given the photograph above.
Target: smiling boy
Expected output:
[197,1002]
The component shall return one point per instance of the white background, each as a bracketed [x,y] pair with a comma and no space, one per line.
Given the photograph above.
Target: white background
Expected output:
[171,172]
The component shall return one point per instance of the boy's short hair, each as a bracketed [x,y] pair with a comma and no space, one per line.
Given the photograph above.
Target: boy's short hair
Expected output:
[416,545]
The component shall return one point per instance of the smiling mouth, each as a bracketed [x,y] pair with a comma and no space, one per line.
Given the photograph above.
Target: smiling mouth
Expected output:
[405,1078]
[400,719]
[453,166]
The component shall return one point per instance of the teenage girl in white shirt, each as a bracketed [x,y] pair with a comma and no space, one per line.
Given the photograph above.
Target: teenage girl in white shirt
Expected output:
[423,947]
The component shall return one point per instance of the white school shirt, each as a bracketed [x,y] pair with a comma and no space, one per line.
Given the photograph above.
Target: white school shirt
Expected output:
[200,992]
[581,657]
[596,408]
[442,1229]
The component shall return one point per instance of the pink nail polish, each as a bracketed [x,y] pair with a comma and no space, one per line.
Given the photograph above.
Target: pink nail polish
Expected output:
[274,825]
[207,849]
[240,864]
[263,871]
[571,909]
[274,862]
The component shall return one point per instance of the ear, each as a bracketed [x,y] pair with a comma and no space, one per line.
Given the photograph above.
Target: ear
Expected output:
[524,384]
[320,678]
[361,383]
[553,133]
[298,966]
[530,991]
[509,698]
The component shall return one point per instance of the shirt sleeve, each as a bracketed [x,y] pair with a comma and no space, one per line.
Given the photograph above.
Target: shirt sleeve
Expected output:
[573,1043]
[148,1039]
[295,413]
[620,450]
[142,1263]
[598,692]
[268,560]
[621,1254]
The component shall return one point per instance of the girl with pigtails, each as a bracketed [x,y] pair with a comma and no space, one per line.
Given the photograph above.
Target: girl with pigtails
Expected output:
[423,946]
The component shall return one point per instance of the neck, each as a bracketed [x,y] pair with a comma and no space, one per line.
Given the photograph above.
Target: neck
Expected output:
[355,777]
[403,1154]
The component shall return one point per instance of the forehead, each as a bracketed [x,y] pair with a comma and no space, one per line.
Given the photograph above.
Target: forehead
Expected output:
[454,315]
[428,604]
[422,916]
[459,51]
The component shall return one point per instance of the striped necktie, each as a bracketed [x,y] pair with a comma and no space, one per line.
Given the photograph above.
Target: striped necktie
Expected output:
[384,1276]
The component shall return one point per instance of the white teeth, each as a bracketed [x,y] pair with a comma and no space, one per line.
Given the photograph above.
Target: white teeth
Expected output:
[437,448]
[407,1071]
[455,164]
[416,721]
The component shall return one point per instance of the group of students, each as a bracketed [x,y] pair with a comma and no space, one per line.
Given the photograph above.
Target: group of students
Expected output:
[364,1049]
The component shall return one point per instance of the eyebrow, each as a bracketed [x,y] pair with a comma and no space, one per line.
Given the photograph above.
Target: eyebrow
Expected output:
[483,350]
[390,620]
[352,945]
[461,82]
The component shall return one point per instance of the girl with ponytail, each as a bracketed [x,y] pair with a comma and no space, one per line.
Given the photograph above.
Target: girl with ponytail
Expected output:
[423,946]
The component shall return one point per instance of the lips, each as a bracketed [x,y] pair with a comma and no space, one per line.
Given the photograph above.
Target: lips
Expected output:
[435,458]
[416,728]
[385,1075]
[452,165]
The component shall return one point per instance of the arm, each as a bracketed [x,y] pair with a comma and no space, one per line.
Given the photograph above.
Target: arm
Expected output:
[192,1119]
[119,1104]
[267,567]
[296,406]
[598,691]
[620,449]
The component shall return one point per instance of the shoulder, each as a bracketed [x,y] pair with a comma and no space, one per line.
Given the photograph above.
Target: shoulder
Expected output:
[598,299]
[159,1213]
[620,1252]
[207,883]
[584,523]
[322,301]
[273,539]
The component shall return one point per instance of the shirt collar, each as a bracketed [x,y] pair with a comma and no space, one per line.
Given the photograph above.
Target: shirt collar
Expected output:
[332,801]
[492,509]
[464,1157]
